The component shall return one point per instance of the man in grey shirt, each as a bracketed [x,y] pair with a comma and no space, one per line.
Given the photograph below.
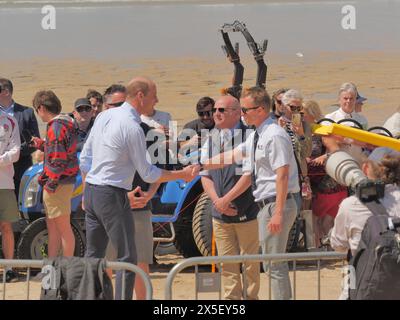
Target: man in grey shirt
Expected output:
[274,180]
[114,151]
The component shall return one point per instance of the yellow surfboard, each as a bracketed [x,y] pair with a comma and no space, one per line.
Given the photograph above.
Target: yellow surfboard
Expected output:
[357,134]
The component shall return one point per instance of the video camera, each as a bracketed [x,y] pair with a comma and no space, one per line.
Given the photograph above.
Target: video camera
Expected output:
[346,171]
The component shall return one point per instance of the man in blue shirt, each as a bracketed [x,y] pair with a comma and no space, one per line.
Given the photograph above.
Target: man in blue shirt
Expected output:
[114,151]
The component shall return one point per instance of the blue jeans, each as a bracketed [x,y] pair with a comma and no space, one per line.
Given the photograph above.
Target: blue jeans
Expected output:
[299,200]
[276,243]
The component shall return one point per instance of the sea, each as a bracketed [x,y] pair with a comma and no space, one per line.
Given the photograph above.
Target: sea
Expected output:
[171,28]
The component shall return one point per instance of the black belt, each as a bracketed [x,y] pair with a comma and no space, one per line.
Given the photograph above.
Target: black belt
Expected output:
[262,203]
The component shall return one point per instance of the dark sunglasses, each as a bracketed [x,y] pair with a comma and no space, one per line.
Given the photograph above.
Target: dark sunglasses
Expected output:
[204,113]
[116,104]
[279,101]
[221,110]
[84,109]
[245,110]
[295,108]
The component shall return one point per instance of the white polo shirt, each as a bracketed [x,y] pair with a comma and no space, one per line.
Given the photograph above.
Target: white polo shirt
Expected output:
[274,150]
[158,119]
[339,114]
[10,145]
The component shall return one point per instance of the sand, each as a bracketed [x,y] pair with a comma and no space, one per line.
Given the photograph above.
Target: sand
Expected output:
[184,284]
[182,81]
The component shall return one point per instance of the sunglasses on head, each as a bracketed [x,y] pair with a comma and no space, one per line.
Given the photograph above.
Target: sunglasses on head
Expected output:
[245,110]
[204,113]
[116,104]
[84,109]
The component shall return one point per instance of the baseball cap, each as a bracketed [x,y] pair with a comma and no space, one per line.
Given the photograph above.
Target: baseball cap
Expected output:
[360,98]
[378,153]
[82,102]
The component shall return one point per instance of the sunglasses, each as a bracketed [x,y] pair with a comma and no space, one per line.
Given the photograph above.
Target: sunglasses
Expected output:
[279,102]
[245,110]
[81,109]
[294,108]
[204,113]
[116,104]
[221,110]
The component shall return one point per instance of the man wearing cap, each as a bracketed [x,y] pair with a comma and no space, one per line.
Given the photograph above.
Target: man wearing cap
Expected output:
[191,133]
[359,102]
[84,117]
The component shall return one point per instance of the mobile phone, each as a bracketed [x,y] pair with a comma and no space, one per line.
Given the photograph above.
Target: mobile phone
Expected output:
[296,119]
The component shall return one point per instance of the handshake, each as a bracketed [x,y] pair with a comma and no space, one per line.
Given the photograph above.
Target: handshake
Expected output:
[190,172]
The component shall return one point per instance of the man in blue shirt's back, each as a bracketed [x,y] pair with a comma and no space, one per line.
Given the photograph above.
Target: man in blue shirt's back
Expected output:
[113,152]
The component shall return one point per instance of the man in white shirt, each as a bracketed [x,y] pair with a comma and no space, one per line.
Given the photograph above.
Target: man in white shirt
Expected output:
[10,145]
[274,179]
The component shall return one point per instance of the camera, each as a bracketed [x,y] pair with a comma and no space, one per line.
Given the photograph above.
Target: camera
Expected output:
[346,171]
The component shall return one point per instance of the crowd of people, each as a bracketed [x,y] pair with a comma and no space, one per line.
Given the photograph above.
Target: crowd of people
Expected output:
[260,164]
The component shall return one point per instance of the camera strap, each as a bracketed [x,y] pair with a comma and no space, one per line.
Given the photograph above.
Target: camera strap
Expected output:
[376,208]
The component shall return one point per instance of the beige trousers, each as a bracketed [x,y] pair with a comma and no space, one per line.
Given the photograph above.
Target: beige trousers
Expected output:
[238,239]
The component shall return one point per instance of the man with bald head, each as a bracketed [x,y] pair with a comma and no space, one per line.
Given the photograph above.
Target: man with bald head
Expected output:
[234,209]
[113,152]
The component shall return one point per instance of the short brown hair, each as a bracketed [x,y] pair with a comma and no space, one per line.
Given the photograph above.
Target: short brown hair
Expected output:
[48,100]
[259,95]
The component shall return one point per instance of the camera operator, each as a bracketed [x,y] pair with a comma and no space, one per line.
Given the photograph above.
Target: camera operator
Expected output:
[382,164]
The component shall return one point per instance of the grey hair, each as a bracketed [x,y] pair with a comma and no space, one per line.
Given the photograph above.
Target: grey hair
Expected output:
[290,95]
[348,86]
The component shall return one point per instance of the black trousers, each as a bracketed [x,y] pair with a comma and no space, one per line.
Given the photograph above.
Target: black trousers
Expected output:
[109,217]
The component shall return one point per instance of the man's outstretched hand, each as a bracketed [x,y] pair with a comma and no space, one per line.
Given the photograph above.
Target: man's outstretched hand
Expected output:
[190,172]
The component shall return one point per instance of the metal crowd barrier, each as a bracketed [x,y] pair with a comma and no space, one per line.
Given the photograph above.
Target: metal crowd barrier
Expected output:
[117,266]
[270,258]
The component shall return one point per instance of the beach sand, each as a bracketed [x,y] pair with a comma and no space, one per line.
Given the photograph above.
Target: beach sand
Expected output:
[184,283]
[182,81]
